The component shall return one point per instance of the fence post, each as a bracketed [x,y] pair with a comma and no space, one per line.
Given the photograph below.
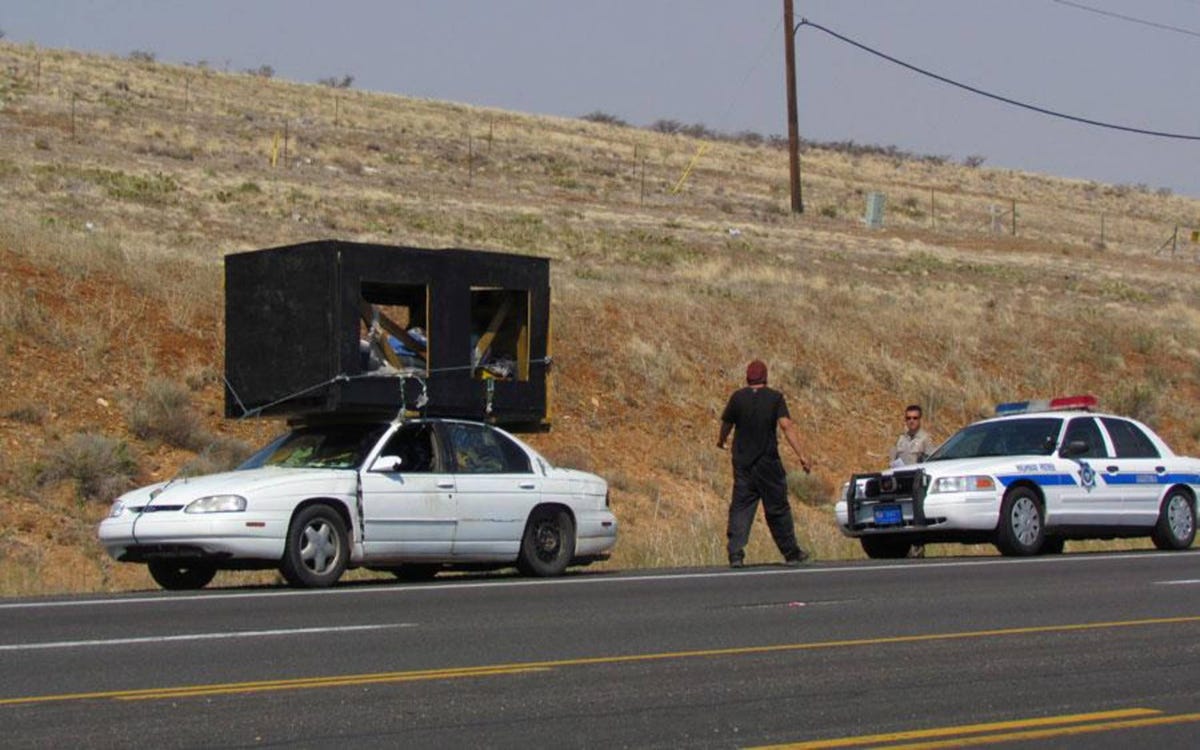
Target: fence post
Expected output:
[932,211]
[1101,230]
[470,160]
[1014,214]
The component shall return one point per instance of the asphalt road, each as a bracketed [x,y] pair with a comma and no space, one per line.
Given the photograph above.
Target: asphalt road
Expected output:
[1077,650]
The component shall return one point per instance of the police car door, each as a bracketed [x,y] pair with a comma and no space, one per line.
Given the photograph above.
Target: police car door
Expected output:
[1088,500]
[408,498]
[1136,473]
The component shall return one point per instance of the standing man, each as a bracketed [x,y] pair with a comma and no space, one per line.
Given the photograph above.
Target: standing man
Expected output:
[754,412]
[914,445]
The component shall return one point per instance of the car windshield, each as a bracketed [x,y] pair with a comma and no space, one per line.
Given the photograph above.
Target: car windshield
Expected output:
[324,447]
[1036,436]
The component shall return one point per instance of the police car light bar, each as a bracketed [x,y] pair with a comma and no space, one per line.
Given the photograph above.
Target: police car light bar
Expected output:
[1063,403]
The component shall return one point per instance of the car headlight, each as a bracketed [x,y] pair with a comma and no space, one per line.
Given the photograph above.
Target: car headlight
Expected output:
[963,484]
[118,507]
[217,504]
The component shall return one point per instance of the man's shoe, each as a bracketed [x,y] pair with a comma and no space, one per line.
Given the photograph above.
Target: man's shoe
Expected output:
[736,564]
[797,560]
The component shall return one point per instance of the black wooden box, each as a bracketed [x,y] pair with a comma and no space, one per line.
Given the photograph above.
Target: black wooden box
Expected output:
[334,327]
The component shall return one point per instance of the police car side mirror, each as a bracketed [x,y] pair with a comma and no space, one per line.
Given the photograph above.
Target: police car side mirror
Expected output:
[1074,448]
[387,464]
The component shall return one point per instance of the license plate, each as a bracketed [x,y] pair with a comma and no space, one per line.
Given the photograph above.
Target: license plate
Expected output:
[888,515]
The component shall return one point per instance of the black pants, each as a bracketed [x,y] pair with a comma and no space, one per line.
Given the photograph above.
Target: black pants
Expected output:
[767,481]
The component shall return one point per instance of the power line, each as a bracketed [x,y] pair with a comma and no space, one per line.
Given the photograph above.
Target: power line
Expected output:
[997,97]
[1131,19]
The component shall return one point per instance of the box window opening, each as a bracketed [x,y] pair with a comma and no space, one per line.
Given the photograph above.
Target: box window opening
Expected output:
[499,333]
[393,328]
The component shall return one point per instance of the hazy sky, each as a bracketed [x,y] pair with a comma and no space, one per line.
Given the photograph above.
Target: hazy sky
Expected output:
[721,63]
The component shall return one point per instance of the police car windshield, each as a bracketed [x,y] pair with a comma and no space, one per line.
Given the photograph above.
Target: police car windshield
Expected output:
[1036,436]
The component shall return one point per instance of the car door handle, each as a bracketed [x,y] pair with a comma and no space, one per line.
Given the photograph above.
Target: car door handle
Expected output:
[445,485]
[1160,469]
[527,485]
[1112,469]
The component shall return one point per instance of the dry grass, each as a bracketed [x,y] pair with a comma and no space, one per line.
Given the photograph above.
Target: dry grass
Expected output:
[115,222]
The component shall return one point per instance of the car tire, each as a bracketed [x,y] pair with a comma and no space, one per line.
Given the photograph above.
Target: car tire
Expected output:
[1022,529]
[1176,526]
[885,548]
[316,551]
[548,543]
[415,572]
[174,575]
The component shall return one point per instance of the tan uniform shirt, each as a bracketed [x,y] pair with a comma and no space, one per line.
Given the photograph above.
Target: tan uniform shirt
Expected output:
[912,450]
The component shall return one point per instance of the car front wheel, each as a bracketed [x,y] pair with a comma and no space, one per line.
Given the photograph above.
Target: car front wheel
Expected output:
[548,543]
[1021,530]
[316,551]
[173,575]
[1176,527]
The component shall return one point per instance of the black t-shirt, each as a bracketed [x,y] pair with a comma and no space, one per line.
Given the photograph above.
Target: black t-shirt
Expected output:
[754,414]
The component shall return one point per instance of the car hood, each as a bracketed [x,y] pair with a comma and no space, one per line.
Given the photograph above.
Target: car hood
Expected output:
[246,483]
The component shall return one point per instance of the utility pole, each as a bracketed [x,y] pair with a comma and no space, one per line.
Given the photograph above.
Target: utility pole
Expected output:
[789,47]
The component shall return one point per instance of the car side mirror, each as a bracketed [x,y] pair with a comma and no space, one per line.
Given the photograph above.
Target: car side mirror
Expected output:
[387,464]
[1074,448]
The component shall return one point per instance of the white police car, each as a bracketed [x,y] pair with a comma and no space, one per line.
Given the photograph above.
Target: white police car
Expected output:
[1037,474]
[408,496]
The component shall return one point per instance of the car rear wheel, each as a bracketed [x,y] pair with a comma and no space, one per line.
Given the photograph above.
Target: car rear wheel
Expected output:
[548,543]
[315,555]
[1176,527]
[1021,531]
[885,548]
[181,576]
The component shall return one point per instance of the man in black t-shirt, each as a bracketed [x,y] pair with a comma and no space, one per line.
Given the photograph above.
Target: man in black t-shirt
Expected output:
[753,413]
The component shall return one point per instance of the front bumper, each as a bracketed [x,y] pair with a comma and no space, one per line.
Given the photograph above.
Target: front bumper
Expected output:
[899,504]
[134,537]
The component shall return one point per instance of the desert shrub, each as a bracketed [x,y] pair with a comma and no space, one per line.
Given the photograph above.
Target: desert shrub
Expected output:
[142,56]
[28,413]
[1138,400]
[334,82]
[220,454]
[809,489]
[604,118]
[164,413]
[101,467]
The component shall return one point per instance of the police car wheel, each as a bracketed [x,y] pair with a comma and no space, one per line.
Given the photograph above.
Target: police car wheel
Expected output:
[1021,531]
[885,548]
[1176,527]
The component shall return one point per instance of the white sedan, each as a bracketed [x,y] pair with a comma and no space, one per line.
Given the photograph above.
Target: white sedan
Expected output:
[408,496]
[1027,481]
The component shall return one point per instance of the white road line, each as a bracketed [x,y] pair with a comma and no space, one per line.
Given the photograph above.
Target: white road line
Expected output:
[195,637]
[1180,582]
[599,578]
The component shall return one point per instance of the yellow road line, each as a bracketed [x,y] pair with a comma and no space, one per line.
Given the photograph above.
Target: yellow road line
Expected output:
[1042,734]
[520,667]
[964,729]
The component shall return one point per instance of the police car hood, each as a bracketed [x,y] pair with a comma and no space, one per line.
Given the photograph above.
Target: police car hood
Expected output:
[980,465]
